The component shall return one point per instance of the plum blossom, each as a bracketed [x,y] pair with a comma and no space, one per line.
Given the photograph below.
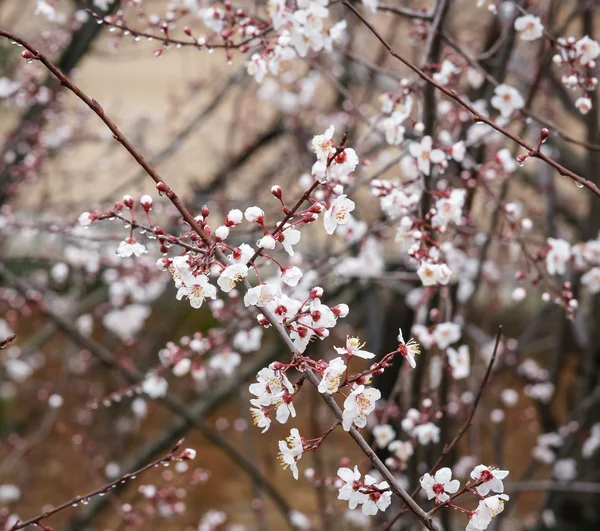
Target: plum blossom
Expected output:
[587,49]
[384,434]
[225,361]
[432,274]
[272,390]
[350,489]
[129,247]
[408,350]
[196,290]
[486,510]
[507,99]
[424,154]
[254,214]
[332,376]
[558,256]
[337,213]
[440,485]
[154,385]
[449,209]
[530,27]
[291,275]
[490,478]
[376,500]
[261,295]
[459,360]
[289,237]
[354,348]
[446,73]
[445,334]
[583,104]
[231,275]
[290,451]
[426,433]
[358,405]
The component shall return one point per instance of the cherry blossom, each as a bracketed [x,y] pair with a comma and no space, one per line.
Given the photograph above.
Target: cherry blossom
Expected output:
[439,485]
[445,334]
[358,405]
[426,433]
[291,275]
[447,71]
[289,237]
[432,274]
[225,361]
[262,295]
[490,478]
[354,348]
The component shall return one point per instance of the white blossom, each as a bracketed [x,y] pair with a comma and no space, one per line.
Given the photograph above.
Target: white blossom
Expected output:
[507,99]
[332,376]
[440,485]
[530,27]
[358,405]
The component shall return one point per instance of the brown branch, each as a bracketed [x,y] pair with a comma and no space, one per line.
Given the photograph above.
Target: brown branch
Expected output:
[102,490]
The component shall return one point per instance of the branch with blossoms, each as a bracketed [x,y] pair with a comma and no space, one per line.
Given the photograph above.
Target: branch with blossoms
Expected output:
[174,455]
[437,156]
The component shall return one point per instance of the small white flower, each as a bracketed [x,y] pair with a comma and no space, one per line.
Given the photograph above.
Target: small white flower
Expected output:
[323,144]
[358,405]
[85,220]
[225,361]
[558,256]
[222,232]
[332,376]
[231,275]
[130,247]
[490,478]
[587,50]
[425,154]
[459,360]
[507,100]
[291,275]
[426,433]
[155,386]
[376,500]
[234,217]
[354,348]
[408,350]
[267,242]
[350,490]
[402,450]
[291,237]
[260,419]
[290,451]
[445,334]
[261,295]
[384,434]
[432,274]
[196,290]
[583,104]
[337,213]
[254,214]
[440,485]
[486,510]
[447,71]
[530,26]
[9,494]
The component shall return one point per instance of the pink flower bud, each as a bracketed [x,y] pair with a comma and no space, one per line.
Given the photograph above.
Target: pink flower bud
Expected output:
[277,192]
[128,201]
[146,202]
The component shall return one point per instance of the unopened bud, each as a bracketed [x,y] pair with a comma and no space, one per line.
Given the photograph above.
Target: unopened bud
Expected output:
[277,192]
[128,201]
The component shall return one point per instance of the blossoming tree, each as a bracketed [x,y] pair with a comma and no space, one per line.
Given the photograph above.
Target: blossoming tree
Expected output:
[397,257]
